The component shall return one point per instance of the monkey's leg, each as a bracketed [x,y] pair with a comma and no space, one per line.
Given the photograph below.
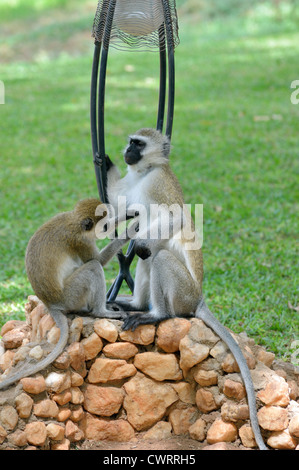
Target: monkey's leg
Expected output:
[85,291]
[173,292]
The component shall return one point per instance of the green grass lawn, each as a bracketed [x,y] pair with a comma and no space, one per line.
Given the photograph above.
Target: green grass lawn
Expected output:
[235,148]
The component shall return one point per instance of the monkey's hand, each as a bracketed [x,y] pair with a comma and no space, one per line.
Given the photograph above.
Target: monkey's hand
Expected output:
[142,250]
[109,162]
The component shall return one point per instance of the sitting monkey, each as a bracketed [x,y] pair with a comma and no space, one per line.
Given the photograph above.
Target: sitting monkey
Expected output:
[65,269]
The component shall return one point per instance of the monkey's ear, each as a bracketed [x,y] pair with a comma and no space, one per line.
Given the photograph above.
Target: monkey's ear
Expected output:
[87,224]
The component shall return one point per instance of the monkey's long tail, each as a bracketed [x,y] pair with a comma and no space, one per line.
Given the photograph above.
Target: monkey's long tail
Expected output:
[207,317]
[30,369]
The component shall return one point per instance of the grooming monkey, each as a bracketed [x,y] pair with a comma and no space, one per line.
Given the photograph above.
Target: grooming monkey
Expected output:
[168,275]
[64,267]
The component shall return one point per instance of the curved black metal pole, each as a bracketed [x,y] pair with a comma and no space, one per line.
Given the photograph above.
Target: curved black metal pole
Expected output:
[97,115]
[162,91]
[171,68]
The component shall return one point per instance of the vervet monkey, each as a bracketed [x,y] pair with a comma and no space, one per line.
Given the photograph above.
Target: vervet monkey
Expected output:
[168,276]
[64,267]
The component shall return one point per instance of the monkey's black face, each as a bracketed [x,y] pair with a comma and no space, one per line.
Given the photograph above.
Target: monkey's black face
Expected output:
[133,151]
[87,224]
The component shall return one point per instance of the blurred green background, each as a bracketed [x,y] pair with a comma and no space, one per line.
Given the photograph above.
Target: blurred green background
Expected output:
[235,143]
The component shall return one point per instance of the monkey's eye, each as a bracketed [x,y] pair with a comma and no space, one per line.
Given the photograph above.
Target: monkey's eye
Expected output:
[139,143]
[87,224]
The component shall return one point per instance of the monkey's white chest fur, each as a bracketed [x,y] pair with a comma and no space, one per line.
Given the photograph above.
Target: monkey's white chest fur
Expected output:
[67,267]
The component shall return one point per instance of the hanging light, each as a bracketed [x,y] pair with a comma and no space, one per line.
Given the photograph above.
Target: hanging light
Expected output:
[138,17]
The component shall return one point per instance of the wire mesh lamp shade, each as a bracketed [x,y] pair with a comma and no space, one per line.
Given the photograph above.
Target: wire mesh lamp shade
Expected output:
[134,25]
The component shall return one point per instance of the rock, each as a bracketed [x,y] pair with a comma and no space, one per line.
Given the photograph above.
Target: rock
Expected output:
[222,432]
[75,330]
[273,418]
[18,438]
[182,419]
[6,360]
[105,329]
[146,401]
[58,382]
[36,433]
[46,409]
[234,389]
[63,415]
[247,436]
[294,426]
[282,440]
[197,430]
[77,355]
[101,429]
[72,432]
[53,335]
[103,401]
[220,446]
[104,370]
[36,353]
[34,385]
[24,404]
[63,445]
[92,346]
[45,325]
[76,379]
[120,350]
[170,332]
[201,333]
[55,432]
[205,400]
[159,432]
[77,396]
[9,417]
[266,357]
[144,334]
[276,393]
[63,361]
[191,353]
[234,412]
[13,338]
[35,317]
[205,378]
[185,391]
[62,398]
[158,366]
[77,414]
[3,434]
[229,364]
[33,301]
[11,325]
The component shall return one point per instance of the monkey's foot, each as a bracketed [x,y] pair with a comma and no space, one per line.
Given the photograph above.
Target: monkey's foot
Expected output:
[132,321]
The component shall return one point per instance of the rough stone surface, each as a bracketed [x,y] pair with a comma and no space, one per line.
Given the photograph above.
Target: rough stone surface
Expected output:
[221,431]
[159,367]
[157,385]
[104,370]
[103,401]
[146,401]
